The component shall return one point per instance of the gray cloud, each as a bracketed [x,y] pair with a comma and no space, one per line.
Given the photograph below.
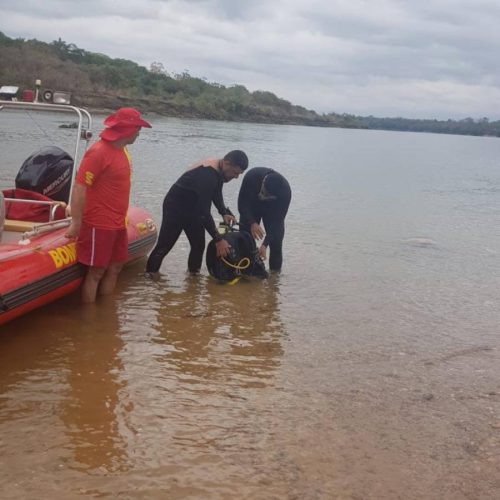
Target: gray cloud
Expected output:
[381,57]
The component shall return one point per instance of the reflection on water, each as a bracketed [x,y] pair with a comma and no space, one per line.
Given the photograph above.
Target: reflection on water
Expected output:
[211,349]
[65,388]
[167,384]
[92,406]
[208,329]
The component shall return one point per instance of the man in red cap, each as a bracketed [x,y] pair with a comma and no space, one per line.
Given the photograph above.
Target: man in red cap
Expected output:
[99,203]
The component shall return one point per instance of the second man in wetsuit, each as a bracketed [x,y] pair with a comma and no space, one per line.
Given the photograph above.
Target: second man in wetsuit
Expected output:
[265,195]
[186,207]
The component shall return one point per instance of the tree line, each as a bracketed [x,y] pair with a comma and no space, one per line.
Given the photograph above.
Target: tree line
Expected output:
[97,81]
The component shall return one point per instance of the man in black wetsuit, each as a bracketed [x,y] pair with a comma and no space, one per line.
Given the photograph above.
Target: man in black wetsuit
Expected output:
[265,195]
[186,207]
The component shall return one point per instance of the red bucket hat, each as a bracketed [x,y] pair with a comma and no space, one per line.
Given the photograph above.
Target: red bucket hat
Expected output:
[123,123]
[126,117]
[115,133]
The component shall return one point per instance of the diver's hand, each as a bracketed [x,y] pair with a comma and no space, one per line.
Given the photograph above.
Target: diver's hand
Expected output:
[263,252]
[257,231]
[222,248]
[73,230]
[229,219]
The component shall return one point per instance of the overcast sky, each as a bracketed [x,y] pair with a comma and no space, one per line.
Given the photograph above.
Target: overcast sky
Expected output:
[411,58]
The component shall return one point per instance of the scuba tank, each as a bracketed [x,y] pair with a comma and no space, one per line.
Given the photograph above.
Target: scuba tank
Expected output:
[243,258]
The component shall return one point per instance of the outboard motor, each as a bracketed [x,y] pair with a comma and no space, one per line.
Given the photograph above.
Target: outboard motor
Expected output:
[243,258]
[48,172]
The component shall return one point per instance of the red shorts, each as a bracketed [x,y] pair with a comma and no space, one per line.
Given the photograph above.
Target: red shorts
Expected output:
[100,247]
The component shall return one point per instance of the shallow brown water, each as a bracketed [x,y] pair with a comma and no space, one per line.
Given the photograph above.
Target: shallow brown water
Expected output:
[200,392]
[368,369]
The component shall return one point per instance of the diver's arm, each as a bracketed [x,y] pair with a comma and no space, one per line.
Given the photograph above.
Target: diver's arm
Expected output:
[218,201]
[205,188]
[245,197]
[248,200]
[263,251]
[204,203]
[221,245]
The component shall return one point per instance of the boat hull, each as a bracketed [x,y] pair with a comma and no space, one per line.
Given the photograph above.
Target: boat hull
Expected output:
[47,268]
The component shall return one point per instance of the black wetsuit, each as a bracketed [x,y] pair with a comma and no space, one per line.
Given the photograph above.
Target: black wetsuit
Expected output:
[186,207]
[271,212]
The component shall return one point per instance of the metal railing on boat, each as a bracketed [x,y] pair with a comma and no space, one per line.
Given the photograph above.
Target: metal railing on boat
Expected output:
[83,132]
[54,204]
[43,228]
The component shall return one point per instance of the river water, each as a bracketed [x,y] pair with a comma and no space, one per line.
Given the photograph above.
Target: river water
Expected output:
[368,369]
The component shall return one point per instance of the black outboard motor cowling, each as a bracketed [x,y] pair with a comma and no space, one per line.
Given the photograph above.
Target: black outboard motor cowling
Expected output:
[242,246]
[47,171]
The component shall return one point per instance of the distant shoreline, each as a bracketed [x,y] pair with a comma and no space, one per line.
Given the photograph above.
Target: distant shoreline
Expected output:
[147,111]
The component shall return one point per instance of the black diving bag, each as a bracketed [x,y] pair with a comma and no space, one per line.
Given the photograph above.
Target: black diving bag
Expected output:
[243,258]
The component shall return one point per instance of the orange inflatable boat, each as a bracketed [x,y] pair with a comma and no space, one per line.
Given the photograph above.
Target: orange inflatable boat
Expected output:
[38,264]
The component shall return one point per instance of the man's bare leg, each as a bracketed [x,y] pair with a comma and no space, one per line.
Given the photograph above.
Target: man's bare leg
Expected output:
[108,281]
[91,283]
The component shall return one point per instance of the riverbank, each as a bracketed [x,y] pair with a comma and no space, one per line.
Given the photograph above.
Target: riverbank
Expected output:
[104,103]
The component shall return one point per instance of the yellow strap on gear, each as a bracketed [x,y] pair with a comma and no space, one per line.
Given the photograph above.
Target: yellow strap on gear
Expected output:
[242,264]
